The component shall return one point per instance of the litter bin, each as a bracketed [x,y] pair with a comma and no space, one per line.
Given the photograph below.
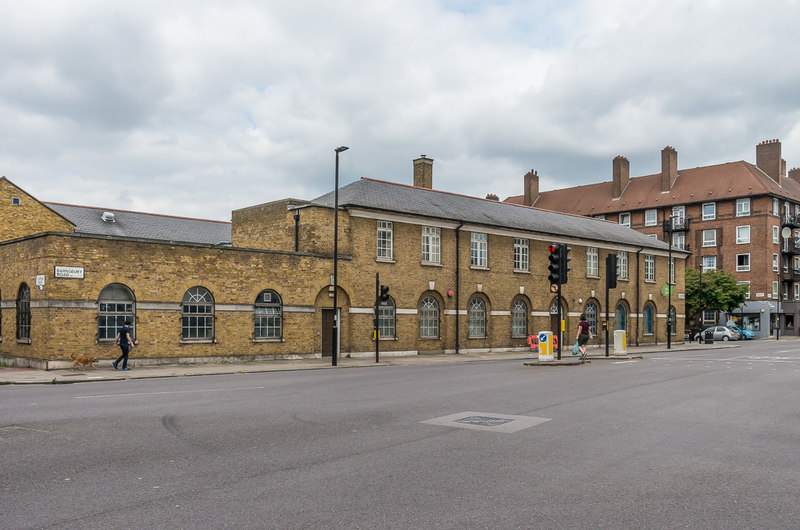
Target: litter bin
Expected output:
[708,337]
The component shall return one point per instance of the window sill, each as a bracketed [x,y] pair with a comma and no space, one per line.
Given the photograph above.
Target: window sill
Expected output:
[430,338]
[384,260]
[267,340]
[479,268]
[519,336]
[431,264]
[593,276]
[649,281]
[23,341]
[521,271]
[477,338]
[386,339]
[197,341]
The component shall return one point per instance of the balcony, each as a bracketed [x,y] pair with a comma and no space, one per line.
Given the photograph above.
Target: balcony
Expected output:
[791,246]
[677,224]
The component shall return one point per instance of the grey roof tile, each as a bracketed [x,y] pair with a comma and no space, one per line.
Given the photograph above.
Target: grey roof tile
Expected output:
[88,220]
[400,198]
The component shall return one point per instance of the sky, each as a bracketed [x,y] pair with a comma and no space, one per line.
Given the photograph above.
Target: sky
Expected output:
[197,108]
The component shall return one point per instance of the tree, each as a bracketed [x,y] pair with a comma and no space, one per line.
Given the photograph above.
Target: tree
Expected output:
[713,290]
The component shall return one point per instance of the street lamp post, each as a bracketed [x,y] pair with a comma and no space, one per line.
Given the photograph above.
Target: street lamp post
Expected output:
[335,334]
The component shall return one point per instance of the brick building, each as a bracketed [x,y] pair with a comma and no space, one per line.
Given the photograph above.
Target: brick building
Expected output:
[730,216]
[464,274]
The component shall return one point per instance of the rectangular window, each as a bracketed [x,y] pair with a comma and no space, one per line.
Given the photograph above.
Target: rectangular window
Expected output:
[797,291]
[776,234]
[742,234]
[775,263]
[385,240]
[747,294]
[592,267]
[520,254]
[742,207]
[649,268]
[709,238]
[776,207]
[650,217]
[478,250]
[796,263]
[622,265]
[679,240]
[678,216]
[742,262]
[709,211]
[709,263]
[625,219]
[672,271]
[775,290]
[431,244]
[709,316]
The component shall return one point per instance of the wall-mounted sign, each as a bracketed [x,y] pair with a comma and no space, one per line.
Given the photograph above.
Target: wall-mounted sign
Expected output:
[69,272]
[40,281]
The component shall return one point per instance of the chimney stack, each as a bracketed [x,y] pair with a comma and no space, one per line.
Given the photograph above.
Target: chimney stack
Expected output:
[423,172]
[794,174]
[669,168]
[531,187]
[768,159]
[622,175]
[492,197]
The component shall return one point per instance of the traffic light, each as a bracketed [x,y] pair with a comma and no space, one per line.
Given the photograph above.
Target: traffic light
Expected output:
[611,271]
[555,264]
[384,293]
[563,254]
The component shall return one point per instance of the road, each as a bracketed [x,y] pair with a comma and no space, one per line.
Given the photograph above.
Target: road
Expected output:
[680,439]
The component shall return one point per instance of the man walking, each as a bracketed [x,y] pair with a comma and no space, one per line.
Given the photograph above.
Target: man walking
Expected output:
[125,344]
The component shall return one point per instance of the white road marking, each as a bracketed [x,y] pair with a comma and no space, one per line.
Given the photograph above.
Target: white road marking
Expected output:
[95,396]
[624,362]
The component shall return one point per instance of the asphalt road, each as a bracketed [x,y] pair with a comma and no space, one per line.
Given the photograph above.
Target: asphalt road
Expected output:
[705,439]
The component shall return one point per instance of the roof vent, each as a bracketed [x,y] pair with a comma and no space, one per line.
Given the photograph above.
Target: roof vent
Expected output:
[108,217]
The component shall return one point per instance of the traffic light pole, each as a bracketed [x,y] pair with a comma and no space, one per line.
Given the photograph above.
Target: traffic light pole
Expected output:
[375,331]
[560,321]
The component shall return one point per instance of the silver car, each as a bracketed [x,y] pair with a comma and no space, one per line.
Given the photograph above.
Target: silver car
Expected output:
[720,333]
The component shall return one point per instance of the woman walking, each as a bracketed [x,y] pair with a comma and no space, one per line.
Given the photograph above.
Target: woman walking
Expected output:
[584,334]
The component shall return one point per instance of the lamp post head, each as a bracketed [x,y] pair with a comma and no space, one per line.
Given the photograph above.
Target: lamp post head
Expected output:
[340,149]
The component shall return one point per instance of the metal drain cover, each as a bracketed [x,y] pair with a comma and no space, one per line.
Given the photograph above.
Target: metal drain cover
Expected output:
[486,421]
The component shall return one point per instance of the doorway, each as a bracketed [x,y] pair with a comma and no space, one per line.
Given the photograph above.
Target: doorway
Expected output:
[327,332]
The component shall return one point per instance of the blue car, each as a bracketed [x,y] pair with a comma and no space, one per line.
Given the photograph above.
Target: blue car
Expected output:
[744,333]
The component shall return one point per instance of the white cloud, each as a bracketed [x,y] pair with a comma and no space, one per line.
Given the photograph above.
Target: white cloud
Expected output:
[197,108]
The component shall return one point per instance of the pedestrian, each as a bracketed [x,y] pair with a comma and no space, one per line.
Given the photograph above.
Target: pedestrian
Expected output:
[584,334]
[125,344]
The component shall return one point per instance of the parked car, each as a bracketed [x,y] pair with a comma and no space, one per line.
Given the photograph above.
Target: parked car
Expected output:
[720,333]
[744,333]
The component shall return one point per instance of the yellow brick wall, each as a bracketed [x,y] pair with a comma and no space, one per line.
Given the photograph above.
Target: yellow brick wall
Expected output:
[28,217]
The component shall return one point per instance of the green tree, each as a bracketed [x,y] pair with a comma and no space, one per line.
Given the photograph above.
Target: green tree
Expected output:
[713,290]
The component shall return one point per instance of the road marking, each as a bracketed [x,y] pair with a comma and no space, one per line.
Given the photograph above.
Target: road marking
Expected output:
[487,421]
[95,396]
[624,362]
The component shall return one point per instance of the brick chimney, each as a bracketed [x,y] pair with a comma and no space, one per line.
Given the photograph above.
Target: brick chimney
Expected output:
[531,187]
[669,168]
[622,175]
[768,159]
[794,174]
[492,197]
[423,172]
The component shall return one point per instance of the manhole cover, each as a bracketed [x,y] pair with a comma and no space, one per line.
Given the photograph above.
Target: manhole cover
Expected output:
[486,421]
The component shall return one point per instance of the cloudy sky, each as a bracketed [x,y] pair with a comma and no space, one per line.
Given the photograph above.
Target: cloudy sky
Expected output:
[196,108]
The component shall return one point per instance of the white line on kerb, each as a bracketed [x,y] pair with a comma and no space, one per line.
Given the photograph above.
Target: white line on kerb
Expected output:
[171,392]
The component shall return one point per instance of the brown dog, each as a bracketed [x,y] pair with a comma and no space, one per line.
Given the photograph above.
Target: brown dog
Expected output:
[82,361]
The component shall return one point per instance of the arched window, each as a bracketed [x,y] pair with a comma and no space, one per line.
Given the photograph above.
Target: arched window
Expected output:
[197,322]
[24,313]
[647,320]
[268,316]
[621,317]
[477,318]
[673,320]
[115,305]
[591,316]
[519,318]
[386,319]
[429,318]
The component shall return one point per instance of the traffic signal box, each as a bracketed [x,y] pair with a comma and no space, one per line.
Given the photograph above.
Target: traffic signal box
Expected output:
[559,264]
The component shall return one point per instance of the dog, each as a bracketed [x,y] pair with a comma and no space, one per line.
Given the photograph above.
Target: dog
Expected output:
[82,361]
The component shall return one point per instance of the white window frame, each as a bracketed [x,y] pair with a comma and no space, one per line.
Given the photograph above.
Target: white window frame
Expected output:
[797,291]
[775,290]
[743,267]
[479,250]
[776,207]
[743,235]
[431,244]
[713,214]
[743,207]
[625,219]
[679,240]
[592,262]
[622,265]
[710,238]
[672,271]
[521,255]
[709,263]
[775,263]
[649,268]
[776,234]
[385,240]
[648,221]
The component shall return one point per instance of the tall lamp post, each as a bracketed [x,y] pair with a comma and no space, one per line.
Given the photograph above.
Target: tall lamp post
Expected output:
[335,334]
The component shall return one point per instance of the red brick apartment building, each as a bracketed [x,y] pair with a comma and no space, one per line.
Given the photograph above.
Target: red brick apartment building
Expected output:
[731,216]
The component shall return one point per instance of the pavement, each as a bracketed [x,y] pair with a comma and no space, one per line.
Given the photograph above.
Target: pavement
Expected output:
[106,372]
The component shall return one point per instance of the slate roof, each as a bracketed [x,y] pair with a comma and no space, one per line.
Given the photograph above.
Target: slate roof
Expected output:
[701,184]
[88,220]
[400,198]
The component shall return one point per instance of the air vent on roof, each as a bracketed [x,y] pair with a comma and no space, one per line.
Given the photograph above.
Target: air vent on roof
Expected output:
[108,217]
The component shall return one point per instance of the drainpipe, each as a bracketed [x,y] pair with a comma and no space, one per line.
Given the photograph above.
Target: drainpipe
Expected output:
[458,278]
[638,287]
